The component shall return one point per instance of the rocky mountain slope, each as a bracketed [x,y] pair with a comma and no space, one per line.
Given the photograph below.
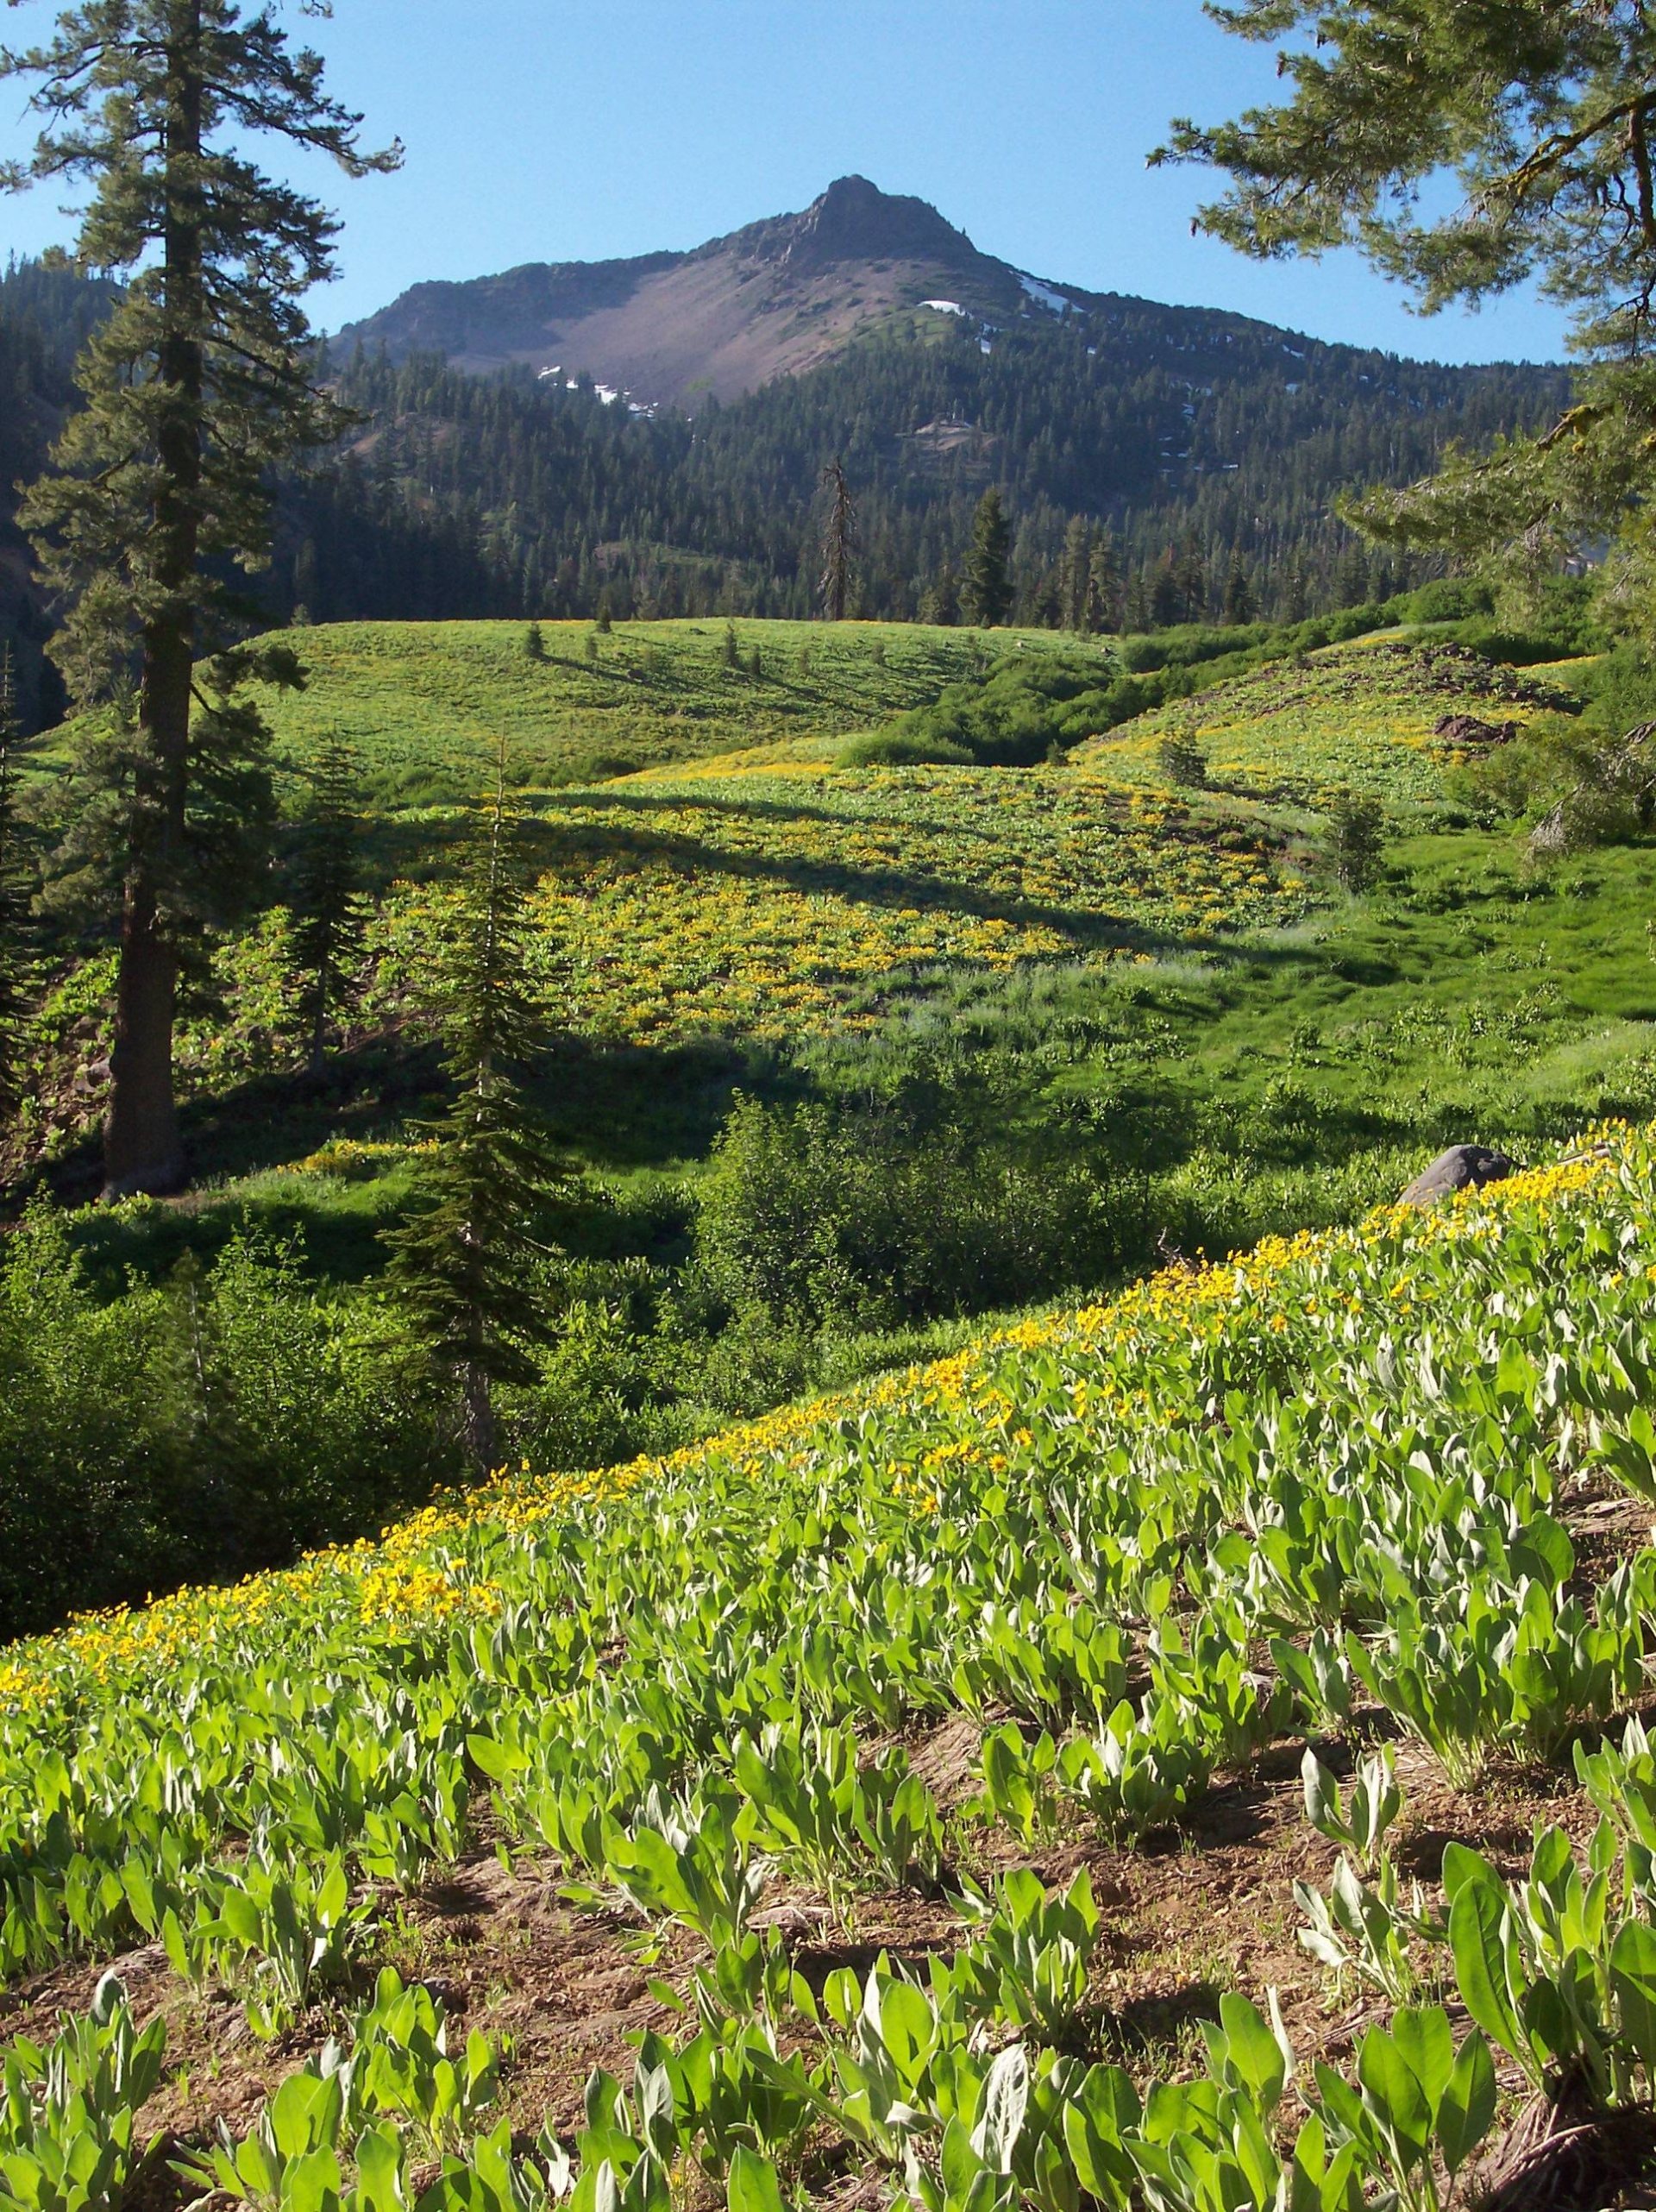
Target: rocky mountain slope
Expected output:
[774,299]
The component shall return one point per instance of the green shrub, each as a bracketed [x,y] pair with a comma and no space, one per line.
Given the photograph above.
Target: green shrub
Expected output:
[613,1372]
[1446,598]
[1024,706]
[1183,761]
[905,1210]
[1357,825]
[215,1423]
[898,749]
[1580,781]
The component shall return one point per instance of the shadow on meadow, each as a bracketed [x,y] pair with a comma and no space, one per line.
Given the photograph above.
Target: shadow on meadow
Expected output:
[617,1109]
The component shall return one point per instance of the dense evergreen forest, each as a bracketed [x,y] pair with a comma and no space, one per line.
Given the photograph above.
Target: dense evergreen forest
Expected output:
[45,316]
[1179,464]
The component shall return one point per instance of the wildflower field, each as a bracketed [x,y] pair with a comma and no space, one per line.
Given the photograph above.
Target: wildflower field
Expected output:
[1360,718]
[788,1819]
[766,892]
[769,904]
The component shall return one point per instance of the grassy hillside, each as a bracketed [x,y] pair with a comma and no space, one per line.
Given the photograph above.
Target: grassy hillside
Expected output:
[767,895]
[427,702]
[845,1056]
[899,1789]
[776,903]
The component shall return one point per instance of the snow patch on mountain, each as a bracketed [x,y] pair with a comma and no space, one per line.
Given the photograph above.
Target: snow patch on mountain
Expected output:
[1045,295]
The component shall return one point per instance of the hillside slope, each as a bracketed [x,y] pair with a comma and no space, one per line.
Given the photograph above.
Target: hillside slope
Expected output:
[789,1717]
[713,879]
[425,703]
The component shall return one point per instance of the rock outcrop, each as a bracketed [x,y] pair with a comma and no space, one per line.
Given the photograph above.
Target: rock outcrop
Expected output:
[1462,1167]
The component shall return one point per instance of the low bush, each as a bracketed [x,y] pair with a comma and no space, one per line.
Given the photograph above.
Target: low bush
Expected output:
[1025,704]
[1581,781]
[217,1423]
[872,1215]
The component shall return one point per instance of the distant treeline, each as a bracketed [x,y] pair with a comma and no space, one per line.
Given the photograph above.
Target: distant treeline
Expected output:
[1160,465]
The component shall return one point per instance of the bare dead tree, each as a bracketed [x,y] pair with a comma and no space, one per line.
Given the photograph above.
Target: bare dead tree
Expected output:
[838,541]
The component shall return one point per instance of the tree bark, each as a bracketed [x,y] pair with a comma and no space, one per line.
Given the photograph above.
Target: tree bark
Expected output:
[141,1147]
[319,1017]
[477,1417]
[142,1151]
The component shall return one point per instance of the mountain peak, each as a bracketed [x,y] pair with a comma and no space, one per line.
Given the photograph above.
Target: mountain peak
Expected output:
[853,221]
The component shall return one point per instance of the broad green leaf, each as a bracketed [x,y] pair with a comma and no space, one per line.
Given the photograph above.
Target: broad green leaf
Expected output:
[907,2030]
[243,1919]
[1428,2042]
[1253,2050]
[1321,1796]
[1632,1975]
[1104,2110]
[1477,1942]
[1393,2092]
[1001,2112]
[1467,2109]
[753,2186]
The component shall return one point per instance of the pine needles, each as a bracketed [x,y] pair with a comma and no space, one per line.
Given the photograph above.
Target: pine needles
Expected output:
[462,1265]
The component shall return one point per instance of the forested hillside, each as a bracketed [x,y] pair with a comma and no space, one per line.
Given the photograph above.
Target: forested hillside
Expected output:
[1195,454]
[45,317]
[1195,440]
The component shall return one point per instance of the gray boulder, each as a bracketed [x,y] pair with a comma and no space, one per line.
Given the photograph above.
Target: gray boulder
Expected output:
[1461,1167]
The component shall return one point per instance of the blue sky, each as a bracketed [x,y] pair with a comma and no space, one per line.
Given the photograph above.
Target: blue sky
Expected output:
[544,130]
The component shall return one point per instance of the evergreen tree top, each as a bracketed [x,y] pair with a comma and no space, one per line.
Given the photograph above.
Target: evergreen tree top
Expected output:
[1543,111]
[156,103]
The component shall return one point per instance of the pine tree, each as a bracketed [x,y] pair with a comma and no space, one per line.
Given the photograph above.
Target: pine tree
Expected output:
[327,906]
[838,542]
[1545,113]
[196,387]
[1296,593]
[988,578]
[461,1265]
[1241,604]
[1103,584]
[1352,577]
[1045,602]
[535,643]
[1135,608]
[942,600]
[15,934]
[1167,592]
[1192,572]
[1076,570]
[305,588]
[731,649]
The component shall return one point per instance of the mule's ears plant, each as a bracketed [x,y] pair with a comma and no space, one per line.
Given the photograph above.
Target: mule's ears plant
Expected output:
[1361,1816]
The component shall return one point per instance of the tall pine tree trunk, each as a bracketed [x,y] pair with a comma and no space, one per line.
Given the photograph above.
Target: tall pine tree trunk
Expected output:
[141,1147]
[142,1151]
[478,1427]
[317,1064]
